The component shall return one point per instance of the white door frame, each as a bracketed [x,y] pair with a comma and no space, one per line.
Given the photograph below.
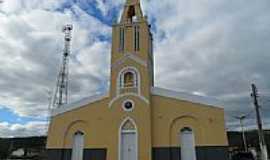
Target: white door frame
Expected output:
[77,146]
[192,151]
[127,131]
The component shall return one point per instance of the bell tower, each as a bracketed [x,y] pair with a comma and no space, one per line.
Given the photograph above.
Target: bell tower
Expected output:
[132,11]
[132,53]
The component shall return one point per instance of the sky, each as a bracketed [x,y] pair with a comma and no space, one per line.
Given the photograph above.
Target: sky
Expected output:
[205,47]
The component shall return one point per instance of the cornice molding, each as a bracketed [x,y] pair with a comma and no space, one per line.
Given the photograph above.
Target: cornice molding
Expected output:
[128,94]
[209,101]
[78,104]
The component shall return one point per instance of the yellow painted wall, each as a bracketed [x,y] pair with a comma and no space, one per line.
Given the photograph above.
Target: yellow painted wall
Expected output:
[100,125]
[143,54]
[144,80]
[171,115]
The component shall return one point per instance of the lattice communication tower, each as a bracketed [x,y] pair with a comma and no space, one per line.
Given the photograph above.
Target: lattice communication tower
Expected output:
[61,91]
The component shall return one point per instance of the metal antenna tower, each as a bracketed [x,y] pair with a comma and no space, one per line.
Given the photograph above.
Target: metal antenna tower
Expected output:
[61,92]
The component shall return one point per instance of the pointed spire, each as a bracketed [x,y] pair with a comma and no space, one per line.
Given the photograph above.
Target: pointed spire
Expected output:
[132,11]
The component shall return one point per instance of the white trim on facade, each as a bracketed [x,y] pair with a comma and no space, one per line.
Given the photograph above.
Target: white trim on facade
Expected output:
[128,94]
[128,131]
[210,101]
[131,56]
[122,78]
[78,104]
[188,144]
[77,146]
[154,90]
[123,71]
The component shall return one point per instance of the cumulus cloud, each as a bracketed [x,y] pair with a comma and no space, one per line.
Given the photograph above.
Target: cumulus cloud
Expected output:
[210,48]
[18,6]
[32,43]
[215,48]
[36,128]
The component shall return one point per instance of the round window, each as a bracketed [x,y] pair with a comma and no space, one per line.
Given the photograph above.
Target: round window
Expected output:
[128,105]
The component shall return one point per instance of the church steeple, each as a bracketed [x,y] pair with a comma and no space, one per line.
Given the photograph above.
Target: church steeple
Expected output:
[132,59]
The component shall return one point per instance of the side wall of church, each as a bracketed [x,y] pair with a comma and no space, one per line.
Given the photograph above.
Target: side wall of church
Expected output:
[169,116]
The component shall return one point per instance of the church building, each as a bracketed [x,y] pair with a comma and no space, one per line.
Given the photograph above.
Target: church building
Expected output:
[136,120]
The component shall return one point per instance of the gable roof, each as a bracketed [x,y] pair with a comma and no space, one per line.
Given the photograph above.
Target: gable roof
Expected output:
[210,101]
[77,104]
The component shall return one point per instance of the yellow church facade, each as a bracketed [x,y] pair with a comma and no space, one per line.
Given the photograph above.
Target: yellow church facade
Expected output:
[136,120]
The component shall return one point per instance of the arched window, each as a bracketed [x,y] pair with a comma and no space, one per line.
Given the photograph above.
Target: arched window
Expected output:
[121,38]
[129,78]
[188,151]
[128,141]
[136,38]
[128,126]
[78,146]
[128,81]
[131,13]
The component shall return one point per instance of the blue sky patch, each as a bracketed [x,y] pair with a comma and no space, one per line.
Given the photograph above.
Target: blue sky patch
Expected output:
[91,8]
[6,115]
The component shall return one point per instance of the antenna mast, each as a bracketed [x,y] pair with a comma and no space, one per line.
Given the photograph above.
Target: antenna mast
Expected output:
[61,92]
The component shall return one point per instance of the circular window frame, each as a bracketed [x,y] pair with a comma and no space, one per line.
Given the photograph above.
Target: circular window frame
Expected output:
[130,109]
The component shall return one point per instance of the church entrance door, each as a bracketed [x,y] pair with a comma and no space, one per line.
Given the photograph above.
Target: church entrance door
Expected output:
[188,151]
[128,146]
